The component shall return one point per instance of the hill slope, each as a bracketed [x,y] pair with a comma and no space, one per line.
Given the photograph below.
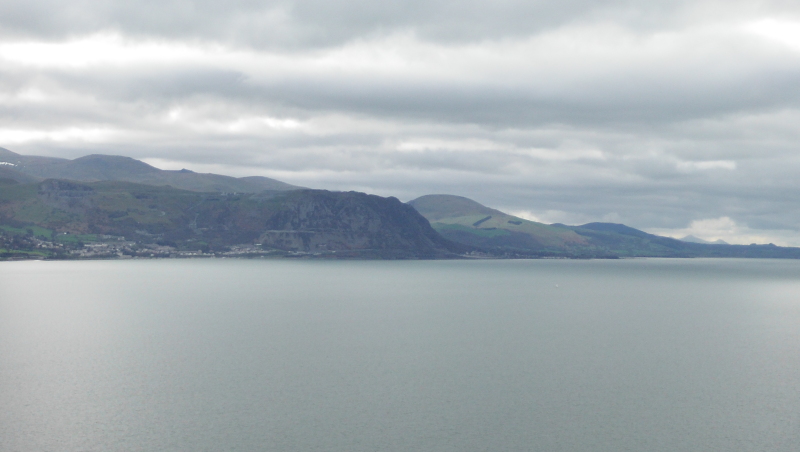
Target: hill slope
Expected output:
[465,221]
[9,175]
[93,168]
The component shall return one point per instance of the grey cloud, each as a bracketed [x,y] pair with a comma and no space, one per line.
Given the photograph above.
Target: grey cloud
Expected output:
[302,22]
[315,23]
[617,102]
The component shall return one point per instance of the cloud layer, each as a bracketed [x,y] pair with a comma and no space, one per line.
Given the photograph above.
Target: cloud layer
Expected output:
[660,115]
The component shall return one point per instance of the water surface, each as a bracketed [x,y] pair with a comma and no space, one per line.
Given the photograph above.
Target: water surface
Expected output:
[281,355]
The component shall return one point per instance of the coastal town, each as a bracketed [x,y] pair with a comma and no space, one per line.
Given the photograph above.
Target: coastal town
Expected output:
[63,246]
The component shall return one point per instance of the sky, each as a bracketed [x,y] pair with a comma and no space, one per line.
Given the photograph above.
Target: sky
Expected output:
[675,117]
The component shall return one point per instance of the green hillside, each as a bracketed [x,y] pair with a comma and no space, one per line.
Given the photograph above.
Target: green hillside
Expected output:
[466,221]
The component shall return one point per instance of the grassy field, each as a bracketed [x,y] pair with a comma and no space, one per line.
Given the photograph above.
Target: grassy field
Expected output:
[36,231]
[11,253]
[445,227]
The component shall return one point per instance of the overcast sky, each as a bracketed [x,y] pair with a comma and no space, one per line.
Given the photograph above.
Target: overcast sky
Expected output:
[676,117]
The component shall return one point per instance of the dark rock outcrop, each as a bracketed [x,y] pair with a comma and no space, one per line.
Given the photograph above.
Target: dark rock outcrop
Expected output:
[318,220]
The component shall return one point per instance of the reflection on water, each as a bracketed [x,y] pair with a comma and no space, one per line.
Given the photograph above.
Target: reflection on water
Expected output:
[210,355]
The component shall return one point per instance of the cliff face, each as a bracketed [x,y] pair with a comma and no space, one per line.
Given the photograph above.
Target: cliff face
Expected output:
[317,220]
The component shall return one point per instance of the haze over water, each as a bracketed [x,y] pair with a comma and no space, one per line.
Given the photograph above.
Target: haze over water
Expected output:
[542,355]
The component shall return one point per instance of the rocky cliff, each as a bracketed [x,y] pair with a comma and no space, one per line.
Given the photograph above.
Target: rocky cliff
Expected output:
[318,220]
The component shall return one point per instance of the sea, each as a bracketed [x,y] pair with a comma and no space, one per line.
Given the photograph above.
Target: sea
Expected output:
[460,355]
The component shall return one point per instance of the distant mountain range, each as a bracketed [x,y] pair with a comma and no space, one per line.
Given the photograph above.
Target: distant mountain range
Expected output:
[52,207]
[693,239]
[94,168]
[465,221]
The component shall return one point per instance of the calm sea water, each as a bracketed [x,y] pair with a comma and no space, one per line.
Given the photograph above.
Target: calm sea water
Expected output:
[252,355]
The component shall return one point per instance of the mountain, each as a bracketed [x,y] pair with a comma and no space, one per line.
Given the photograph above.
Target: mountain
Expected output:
[93,168]
[9,175]
[625,241]
[465,221]
[693,239]
[309,221]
